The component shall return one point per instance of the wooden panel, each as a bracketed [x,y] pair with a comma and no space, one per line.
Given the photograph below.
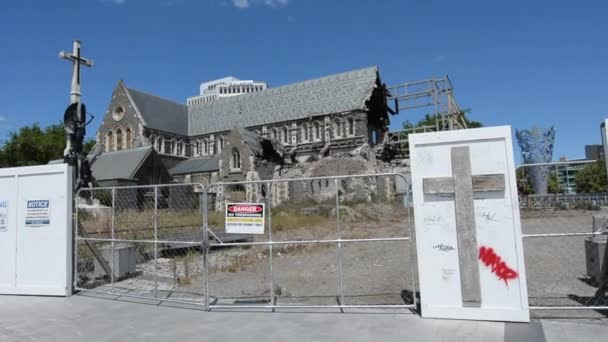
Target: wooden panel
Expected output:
[481,183]
[439,185]
[484,183]
[465,226]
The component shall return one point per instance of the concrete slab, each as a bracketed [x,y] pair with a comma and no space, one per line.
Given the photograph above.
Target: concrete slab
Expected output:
[81,318]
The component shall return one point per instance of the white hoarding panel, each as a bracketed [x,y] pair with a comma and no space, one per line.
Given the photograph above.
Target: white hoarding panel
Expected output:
[36,245]
[468,230]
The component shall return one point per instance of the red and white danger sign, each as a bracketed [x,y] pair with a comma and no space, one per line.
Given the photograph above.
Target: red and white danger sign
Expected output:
[245,218]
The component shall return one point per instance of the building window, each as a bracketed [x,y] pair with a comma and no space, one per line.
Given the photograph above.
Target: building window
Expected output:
[220,145]
[351,126]
[118,113]
[109,141]
[236,159]
[317,130]
[119,140]
[160,144]
[274,134]
[128,137]
[285,134]
[173,146]
[205,147]
[180,148]
[305,132]
[337,128]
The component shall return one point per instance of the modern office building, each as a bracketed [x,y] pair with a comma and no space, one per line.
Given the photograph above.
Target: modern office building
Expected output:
[225,87]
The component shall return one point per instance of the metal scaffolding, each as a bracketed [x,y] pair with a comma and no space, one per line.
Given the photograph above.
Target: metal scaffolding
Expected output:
[436,93]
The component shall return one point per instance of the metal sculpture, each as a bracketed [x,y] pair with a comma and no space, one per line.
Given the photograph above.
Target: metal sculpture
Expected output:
[536,146]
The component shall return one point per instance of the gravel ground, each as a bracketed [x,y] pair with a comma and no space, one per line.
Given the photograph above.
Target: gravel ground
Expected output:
[373,273]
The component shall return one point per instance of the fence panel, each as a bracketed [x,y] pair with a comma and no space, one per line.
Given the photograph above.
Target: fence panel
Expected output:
[330,242]
[560,254]
[142,241]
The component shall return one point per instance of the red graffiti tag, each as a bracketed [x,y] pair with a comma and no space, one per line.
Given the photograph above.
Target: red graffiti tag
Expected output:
[499,267]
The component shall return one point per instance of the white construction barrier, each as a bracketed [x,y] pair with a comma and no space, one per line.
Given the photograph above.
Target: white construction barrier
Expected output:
[36,230]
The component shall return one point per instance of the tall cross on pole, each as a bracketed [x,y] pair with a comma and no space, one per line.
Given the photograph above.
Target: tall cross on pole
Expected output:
[71,127]
[76,60]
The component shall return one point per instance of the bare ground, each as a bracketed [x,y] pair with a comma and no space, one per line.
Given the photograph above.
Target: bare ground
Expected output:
[373,273]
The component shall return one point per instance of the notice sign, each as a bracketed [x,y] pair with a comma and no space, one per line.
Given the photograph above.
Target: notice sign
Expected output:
[38,213]
[244,218]
[3,216]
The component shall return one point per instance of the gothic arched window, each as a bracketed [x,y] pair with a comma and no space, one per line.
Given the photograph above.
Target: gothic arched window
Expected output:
[109,141]
[220,144]
[305,132]
[128,137]
[236,159]
[274,134]
[337,128]
[285,134]
[119,140]
[160,144]
[173,146]
[317,130]
[351,126]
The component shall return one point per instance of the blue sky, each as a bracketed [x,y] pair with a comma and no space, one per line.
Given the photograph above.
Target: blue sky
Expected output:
[512,62]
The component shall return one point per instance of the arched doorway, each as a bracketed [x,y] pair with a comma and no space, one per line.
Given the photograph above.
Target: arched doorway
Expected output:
[235,193]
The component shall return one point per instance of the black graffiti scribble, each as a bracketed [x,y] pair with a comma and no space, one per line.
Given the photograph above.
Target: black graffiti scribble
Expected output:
[443,248]
[489,216]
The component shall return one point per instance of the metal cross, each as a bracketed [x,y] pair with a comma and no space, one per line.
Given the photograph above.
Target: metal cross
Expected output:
[462,185]
[76,60]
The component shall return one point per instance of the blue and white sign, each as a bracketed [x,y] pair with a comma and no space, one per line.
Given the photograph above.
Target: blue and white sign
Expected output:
[38,213]
[3,215]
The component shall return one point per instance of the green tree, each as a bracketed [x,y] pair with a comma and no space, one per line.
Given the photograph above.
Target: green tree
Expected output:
[591,178]
[524,186]
[33,145]
[554,187]
[430,120]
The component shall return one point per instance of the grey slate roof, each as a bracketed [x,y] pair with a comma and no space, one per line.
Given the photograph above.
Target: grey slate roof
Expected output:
[326,95]
[120,164]
[198,165]
[161,114]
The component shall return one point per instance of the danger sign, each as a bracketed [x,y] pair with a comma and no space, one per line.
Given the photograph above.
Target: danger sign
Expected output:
[245,218]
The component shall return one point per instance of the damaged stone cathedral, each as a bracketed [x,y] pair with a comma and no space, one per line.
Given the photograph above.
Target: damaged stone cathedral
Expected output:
[333,125]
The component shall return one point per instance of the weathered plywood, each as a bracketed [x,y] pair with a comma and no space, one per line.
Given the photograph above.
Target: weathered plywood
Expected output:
[465,226]
[481,183]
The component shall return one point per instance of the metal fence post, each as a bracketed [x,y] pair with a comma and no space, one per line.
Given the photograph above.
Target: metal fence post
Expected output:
[412,244]
[75,235]
[340,276]
[156,241]
[205,245]
[269,200]
[113,237]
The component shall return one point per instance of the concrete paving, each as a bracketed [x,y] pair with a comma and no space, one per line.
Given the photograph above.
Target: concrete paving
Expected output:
[81,318]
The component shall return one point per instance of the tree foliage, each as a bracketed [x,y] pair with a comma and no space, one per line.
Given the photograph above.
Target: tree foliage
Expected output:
[431,120]
[592,178]
[33,145]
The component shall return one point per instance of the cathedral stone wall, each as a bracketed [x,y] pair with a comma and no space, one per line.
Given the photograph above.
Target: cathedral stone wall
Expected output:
[129,120]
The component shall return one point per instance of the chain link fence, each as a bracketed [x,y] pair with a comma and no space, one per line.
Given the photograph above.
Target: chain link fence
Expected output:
[142,242]
[566,266]
[327,242]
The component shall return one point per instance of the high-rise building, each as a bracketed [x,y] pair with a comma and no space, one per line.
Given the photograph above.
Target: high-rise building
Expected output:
[225,87]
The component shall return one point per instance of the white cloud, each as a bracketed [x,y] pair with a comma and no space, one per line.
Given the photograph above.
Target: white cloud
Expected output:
[117,2]
[270,3]
[2,118]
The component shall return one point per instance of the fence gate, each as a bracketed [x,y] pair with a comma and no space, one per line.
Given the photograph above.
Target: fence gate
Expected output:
[326,242]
